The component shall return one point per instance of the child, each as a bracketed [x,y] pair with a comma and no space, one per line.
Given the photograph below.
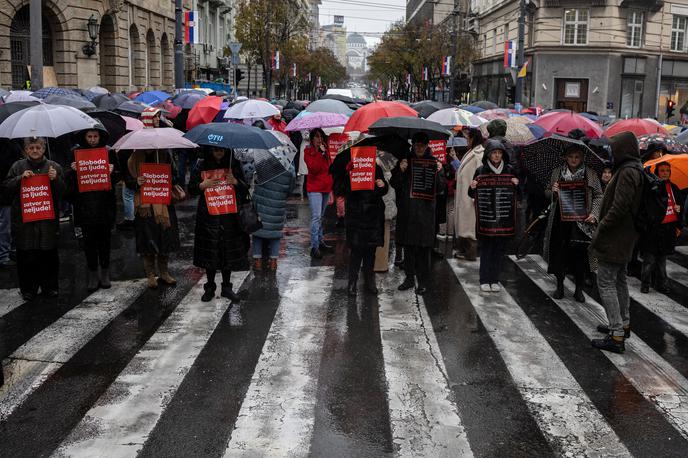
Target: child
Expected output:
[606,177]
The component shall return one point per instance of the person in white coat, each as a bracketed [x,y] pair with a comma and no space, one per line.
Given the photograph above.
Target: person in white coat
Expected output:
[464,209]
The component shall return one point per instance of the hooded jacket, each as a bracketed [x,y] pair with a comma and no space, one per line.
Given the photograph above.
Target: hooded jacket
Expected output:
[616,234]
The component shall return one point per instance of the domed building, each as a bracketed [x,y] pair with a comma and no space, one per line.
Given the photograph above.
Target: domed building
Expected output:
[356,56]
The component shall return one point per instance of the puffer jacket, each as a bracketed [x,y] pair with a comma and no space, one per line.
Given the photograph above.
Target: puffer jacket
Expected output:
[271,203]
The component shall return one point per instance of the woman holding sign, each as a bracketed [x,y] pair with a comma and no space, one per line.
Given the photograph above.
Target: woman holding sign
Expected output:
[219,243]
[576,196]
[36,184]
[318,186]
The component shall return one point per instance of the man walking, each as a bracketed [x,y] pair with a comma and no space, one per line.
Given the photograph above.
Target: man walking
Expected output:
[615,239]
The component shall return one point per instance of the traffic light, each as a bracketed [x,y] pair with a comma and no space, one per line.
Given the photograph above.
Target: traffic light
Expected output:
[238,75]
[670,108]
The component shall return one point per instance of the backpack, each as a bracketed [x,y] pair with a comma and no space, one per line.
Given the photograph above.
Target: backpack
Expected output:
[653,202]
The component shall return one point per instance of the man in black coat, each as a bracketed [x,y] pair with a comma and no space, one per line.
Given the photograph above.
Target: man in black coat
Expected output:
[10,152]
[415,228]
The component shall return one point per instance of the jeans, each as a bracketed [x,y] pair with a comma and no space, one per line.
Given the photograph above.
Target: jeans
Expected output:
[491,255]
[318,203]
[273,244]
[611,283]
[128,203]
[5,234]
[654,264]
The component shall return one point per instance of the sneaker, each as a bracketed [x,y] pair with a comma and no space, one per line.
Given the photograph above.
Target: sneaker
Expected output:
[611,343]
[604,329]
[485,288]
[495,288]
[441,237]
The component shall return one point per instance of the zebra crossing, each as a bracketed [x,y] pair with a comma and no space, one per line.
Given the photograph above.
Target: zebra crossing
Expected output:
[278,412]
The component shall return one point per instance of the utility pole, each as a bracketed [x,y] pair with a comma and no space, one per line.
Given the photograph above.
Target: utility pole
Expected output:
[178,45]
[455,14]
[659,67]
[520,58]
[36,44]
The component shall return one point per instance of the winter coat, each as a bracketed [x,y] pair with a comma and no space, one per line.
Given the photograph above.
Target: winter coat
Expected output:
[365,213]
[270,199]
[661,239]
[10,152]
[415,217]
[464,209]
[318,163]
[37,235]
[219,242]
[616,234]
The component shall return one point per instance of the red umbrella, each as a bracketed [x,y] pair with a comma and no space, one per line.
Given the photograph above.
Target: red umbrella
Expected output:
[204,111]
[563,122]
[638,126]
[172,109]
[368,114]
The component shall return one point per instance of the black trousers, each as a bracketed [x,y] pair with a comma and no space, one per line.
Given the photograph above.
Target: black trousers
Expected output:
[226,276]
[361,256]
[417,263]
[491,254]
[37,269]
[97,245]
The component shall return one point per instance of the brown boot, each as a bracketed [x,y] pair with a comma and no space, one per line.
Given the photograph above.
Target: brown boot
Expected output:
[257,264]
[165,276]
[149,268]
[272,266]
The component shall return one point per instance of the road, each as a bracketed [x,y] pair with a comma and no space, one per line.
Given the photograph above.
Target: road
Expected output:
[298,368]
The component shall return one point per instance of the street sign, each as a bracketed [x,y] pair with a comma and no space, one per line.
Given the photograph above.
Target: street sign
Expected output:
[235,47]
[235,59]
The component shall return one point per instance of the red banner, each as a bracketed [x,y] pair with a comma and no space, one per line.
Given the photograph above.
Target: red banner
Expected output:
[36,199]
[220,199]
[362,173]
[158,186]
[439,150]
[334,142]
[92,169]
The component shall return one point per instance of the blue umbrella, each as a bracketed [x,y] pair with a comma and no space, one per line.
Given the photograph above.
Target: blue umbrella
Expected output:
[46,91]
[152,97]
[230,135]
[187,100]
[473,109]
[538,132]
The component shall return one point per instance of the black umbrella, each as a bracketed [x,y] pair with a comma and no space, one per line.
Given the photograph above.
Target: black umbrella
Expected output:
[406,127]
[110,101]
[487,105]
[112,122]
[389,143]
[10,108]
[290,113]
[70,100]
[188,99]
[281,102]
[354,104]
[131,107]
[295,105]
[231,135]
[428,107]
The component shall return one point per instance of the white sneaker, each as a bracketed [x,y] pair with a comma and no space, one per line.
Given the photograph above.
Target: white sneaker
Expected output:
[495,288]
[441,237]
[485,288]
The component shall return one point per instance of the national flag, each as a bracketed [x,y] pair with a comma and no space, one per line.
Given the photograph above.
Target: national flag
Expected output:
[293,69]
[408,79]
[510,54]
[446,65]
[426,74]
[191,29]
[524,70]
[276,60]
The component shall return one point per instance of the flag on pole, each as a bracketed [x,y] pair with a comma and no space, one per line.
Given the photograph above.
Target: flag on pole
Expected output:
[408,79]
[319,82]
[191,29]
[426,74]
[524,70]
[293,69]
[276,60]
[446,65]
[309,77]
[510,54]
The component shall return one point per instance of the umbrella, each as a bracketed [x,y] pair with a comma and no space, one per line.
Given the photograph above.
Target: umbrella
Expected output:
[110,101]
[679,169]
[540,158]
[516,132]
[219,93]
[315,120]
[683,137]
[172,110]
[204,111]
[152,97]
[46,91]
[329,106]
[637,126]
[231,135]
[113,123]
[537,131]
[133,94]
[591,116]
[251,109]
[20,96]
[188,99]
[340,97]
[132,124]
[98,90]
[563,122]
[281,102]
[405,102]
[453,117]
[290,113]
[4,92]
[487,105]
[10,108]
[131,107]
[496,113]
[294,105]
[670,142]
[45,121]
[523,119]
[74,101]
[154,138]
[406,127]
[472,109]
[428,107]
[273,162]
[368,114]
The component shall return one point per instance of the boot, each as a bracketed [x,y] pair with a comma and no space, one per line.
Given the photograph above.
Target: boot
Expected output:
[369,283]
[399,257]
[559,292]
[615,344]
[165,276]
[208,292]
[351,288]
[105,278]
[644,288]
[605,330]
[316,254]
[408,283]
[257,264]
[471,250]
[578,295]
[228,293]
[272,265]
[149,268]
[92,282]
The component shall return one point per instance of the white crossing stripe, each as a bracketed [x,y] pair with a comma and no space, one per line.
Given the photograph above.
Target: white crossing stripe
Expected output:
[423,413]
[664,307]
[41,356]
[566,416]
[277,416]
[648,372]
[127,412]
[682,250]
[677,273]
[10,299]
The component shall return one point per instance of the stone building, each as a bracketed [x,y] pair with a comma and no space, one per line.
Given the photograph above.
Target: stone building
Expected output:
[596,55]
[356,56]
[334,38]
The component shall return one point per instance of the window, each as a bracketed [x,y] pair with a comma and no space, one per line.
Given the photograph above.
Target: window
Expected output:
[494,41]
[678,33]
[506,32]
[634,38]
[631,98]
[634,65]
[484,44]
[576,27]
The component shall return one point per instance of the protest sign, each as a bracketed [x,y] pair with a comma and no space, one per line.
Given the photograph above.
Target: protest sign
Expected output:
[158,186]
[36,199]
[220,199]
[495,202]
[334,142]
[439,150]
[423,173]
[92,169]
[573,201]
[362,173]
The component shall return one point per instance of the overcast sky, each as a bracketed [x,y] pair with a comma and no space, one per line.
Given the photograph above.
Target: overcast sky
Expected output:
[370,18]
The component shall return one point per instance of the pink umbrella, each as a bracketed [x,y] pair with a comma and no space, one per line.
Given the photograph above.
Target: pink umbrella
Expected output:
[497,113]
[563,122]
[172,109]
[638,127]
[132,124]
[317,119]
[154,138]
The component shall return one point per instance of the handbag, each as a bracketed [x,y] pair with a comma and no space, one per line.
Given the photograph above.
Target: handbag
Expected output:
[248,217]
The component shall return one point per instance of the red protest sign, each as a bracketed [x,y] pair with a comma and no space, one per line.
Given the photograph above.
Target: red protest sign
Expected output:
[220,199]
[36,199]
[439,150]
[158,186]
[92,169]
[334,142]
[362,173]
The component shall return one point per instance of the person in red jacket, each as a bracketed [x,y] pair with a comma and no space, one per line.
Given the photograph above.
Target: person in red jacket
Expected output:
[277,123]
[318,186]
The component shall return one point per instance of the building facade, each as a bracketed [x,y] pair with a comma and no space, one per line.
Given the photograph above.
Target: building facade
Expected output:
[216,28]
[356,56]
[334,38]
[597,55]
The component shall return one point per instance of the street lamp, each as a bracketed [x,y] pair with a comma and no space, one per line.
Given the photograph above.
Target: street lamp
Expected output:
[93,27]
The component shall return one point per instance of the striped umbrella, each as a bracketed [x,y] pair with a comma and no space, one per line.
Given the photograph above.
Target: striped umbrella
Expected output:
[456,117]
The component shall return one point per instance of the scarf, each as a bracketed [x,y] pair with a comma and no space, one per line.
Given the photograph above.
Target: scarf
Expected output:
[158,211]
[578,175]
[497,170]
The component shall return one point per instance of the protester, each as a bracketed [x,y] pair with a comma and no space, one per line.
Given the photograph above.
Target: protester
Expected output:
[606,177]
[37,256]
[11,153]
[277,123]
[219,242]
[567,242]
[415,229]
[492,248]
[94,213]
[616,235]
[464,209]
[318,186]
[659,242]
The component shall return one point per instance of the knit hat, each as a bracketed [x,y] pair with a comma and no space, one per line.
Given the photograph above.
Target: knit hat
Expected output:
[148,115]
[496,128]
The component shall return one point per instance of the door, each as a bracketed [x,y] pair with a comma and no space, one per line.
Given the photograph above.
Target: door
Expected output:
[20,45]
[572,94]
